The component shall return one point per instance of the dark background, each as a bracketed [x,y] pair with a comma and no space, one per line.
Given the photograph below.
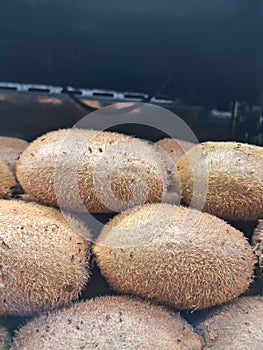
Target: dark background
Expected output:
[205,52]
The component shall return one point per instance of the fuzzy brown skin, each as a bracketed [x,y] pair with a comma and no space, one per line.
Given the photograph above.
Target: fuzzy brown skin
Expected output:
[257,242]
[171,150]
[43,260]
[175,255]
[4,338]
[235,179]
[10,150]
[111,171]
[109,323]
[27,198]
[7,179]
[171,197]
[236,325]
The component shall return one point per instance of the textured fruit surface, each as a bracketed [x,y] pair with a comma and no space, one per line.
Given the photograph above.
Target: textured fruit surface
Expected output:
[10,150]
[236,325]
[4,338]
[43,260]
[258,233]
[234,174]
[7,179]
[175,255]
[109,323]
[171,150]
[91,170]
[257,243]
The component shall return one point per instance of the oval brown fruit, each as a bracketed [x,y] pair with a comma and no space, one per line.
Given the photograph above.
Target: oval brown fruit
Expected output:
[236,325]
[171,150]
[91,170]
[10,150]
[175,255]
[43,260]
[109,323]
[4,338]
[257,243]
[233,174]
[7,179]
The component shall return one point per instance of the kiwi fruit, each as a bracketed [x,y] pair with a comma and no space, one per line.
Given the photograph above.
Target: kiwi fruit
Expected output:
[27,198]
[171,150]
[4,338]
[236,325]
[171,197]
[7,179]
[10,150]
[174,255]
[233,174]
[257,242]
[43,258]
[96,171]
[108,323]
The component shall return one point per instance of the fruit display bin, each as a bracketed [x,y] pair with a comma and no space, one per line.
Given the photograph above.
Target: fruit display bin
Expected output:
[63,63]
[57,108]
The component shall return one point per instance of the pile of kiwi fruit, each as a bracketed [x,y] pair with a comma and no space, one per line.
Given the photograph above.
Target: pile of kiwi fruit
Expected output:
[176,261]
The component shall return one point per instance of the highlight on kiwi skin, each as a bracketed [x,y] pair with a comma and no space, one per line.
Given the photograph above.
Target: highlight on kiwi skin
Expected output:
[174,255]
[235,179]
[235,325]
[109,323]
[5,340]
[103,171]
[44,262]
